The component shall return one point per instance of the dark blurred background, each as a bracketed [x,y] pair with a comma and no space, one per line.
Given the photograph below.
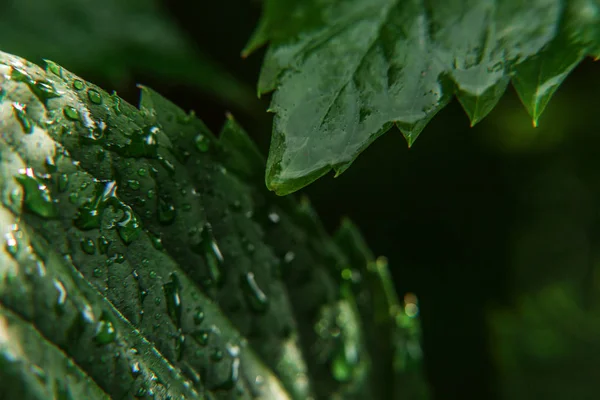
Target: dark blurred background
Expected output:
[495,228]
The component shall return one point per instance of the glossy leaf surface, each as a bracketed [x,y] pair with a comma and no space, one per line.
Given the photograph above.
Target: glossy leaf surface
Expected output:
[345,72]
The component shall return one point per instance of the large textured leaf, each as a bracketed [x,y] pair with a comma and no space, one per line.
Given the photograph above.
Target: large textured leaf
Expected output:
[345,72]
[114,39]
[143,257]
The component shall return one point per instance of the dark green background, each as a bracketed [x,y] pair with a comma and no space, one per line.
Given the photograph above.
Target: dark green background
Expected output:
[473,220]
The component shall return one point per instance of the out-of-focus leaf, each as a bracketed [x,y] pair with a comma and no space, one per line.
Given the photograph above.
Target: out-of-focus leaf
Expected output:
[114,39]
[345,72]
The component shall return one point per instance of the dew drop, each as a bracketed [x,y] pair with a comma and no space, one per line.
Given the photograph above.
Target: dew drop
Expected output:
[105,332]
[94,96]
[78,84]
[63,182]
[166,212]
[23,118]
[88,246]
[71,113]
[172,296]
[133,184]
[257,299]
[201,336]
[37,195]
[12,245]
[198,316]
[61,299]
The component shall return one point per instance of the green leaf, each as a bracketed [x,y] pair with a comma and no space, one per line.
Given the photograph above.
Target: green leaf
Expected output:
[146,252]
[343,73]
[115,39]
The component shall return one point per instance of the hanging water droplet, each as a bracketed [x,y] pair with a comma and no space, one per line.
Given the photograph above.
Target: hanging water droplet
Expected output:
[257,299]
[23,118]
[94,96]
[71,113]
[88,246]
[173,299]
[78,84]
[105,331]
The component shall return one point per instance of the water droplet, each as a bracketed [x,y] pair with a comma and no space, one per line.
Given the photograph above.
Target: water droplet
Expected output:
[216,355]
[179,346]
[143,143]
[166,212]
[168,165]
[156,241]
[234,371]
[209,248]
[105,331]
[257,299]
[133,184]
[43,90]
[142,290]
[103,244]
[201,336]
[198,316]
[61,300]
[152,274]
[78,84]
[117,103]
[12,245]
[88,246]
[129,227]
[150,194]
[71,113]
[202,143]
[97,272]
[23,118]
[135,369]
[54,68]
[94,96]
[37,195]
[173,299]
[63,182]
